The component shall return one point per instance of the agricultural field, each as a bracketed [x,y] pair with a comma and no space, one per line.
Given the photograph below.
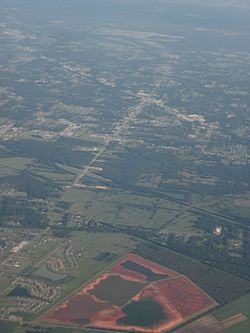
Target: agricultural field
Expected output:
[239,308]
[231,318]
[134,294]
[108,206]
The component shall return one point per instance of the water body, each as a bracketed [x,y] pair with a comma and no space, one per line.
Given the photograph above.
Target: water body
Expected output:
[19,291]
[144,313]
[116,290]
[151,276]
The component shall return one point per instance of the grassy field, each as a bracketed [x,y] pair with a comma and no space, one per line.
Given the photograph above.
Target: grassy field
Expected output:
[234,205]
[120,207]
[13,165]
[58,178]
[182,224]
[8,327]
[225,312]
[239,306]
[243,327]
[243,304]
[44,272]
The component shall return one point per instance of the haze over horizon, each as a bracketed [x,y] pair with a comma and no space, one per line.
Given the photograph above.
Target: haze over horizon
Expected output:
[124,166]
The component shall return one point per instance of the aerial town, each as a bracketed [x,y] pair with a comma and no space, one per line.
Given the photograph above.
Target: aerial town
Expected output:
[124,166]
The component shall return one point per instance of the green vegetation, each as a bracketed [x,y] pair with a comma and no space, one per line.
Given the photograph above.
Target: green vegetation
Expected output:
[44,272]
[237,206]
[121,207]
[225,312]
[33,186]
[243,327]
[8,327]
[12,165]
[114,127]
[48,152]
[238,306]
[21,211]
[223,287]
[243,305]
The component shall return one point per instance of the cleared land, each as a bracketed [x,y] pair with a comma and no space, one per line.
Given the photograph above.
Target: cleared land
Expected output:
[133,295]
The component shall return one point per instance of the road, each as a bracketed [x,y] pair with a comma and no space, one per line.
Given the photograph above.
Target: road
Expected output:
[118,132]
[85,171]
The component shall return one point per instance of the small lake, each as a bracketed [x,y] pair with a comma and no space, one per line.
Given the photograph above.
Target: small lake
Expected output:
[19,291]
[151,276]
[143,313]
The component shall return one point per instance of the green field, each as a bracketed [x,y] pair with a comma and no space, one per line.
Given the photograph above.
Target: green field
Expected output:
[237,206]
[44,272]
[243,327]
[13,165]
[8,327]
[225,312]
[241,305]
[121,207]
[183,223]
